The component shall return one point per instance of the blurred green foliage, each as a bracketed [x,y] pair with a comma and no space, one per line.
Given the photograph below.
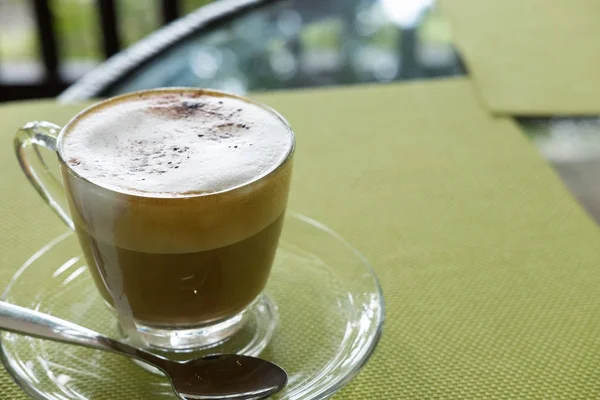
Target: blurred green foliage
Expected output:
[324,34]
[17,37]
[78,27]
[435,28]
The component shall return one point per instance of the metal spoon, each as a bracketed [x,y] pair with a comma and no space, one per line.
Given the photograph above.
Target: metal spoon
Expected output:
[222,376]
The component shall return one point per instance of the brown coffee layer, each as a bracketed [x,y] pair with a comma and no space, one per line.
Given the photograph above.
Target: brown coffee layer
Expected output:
[185,290]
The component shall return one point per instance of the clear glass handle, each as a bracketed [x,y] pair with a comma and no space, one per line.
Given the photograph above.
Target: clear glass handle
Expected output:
[27,142]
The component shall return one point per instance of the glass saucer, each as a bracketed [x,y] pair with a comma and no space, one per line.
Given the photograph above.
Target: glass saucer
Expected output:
[322,293]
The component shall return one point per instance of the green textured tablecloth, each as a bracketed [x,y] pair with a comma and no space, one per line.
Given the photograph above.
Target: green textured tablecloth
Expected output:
[490,269]
[531,57]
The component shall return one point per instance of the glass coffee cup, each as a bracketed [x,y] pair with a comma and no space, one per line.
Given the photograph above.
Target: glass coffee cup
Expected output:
[178,198]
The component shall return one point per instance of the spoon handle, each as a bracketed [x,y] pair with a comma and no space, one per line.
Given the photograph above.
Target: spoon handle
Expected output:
[25,321]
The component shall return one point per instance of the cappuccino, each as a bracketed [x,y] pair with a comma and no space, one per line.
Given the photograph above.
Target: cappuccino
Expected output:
[178,198]
[176,144]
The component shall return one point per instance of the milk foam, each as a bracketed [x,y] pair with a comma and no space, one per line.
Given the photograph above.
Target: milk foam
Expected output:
[169,144]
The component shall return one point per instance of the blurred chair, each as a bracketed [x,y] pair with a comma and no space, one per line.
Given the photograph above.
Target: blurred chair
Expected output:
[258,45]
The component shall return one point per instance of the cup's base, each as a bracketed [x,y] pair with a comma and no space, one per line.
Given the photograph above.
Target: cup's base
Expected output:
[189,339]
[246,333]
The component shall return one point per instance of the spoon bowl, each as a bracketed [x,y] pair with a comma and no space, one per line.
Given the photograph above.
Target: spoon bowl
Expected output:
[225,376]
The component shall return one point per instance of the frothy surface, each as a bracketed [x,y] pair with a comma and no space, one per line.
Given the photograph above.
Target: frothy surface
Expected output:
[169,144]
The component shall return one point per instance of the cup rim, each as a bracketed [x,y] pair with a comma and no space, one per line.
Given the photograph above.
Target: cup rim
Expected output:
[141,195]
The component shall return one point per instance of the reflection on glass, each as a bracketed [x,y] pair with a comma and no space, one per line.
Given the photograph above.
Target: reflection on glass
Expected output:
[206,62]
[289,22]
[321,47]
[282,62]
[435,49]
[304,43]
[406,13]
